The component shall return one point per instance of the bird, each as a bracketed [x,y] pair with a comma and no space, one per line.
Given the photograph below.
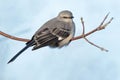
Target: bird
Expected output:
[55,33]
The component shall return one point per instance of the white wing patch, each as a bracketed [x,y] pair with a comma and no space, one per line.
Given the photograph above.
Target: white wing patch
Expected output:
[60,38]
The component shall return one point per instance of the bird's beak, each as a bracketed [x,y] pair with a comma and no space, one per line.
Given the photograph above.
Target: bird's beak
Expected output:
[72,17]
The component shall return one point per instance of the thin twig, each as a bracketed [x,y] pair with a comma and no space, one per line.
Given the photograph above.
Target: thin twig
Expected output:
[101,24]
[83,26]
[13,37]
[104,25]
[96,29]
[101,48]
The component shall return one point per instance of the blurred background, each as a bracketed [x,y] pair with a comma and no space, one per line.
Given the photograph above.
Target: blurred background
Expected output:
[79,60]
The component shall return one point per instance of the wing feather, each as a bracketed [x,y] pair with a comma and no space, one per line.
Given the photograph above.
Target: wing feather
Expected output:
[51,35]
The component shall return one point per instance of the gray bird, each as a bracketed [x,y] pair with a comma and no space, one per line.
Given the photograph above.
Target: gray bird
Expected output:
[56,32]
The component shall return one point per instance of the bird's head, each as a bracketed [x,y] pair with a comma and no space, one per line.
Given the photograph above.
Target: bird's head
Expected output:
[65,15]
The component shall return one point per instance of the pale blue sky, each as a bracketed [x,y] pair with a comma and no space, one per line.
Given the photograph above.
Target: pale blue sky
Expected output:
[79,60]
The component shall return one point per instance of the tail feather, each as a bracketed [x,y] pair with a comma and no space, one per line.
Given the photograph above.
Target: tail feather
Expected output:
[20,52]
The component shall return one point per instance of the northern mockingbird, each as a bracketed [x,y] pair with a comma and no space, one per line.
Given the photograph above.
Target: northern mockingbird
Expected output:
[56,32]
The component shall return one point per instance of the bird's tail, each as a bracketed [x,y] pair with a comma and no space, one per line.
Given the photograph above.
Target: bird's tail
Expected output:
[20,52]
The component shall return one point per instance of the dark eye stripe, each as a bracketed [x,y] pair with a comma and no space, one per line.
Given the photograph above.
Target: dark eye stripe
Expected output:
[68,17]
[65,17]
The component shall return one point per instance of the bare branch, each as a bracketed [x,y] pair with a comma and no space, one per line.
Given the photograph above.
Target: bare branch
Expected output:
[104,20]
[101,48]
[102,26]
[13,37]
[105,25]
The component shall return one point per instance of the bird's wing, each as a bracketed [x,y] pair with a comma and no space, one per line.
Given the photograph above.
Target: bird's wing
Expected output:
[50,36]
[61,32]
